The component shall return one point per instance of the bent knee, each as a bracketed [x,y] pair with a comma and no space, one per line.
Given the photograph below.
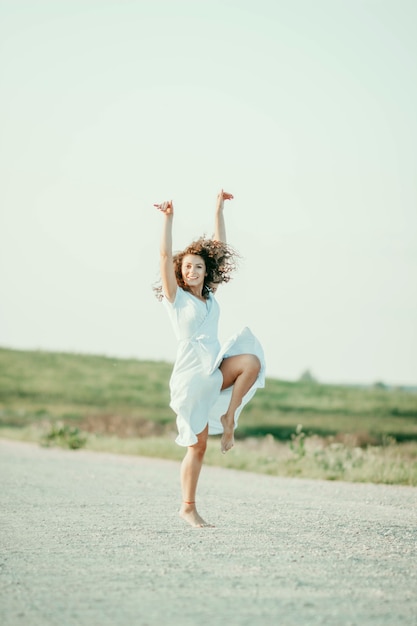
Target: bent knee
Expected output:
[252,363]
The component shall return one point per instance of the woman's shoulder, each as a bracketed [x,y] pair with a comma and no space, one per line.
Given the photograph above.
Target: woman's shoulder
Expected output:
[180,296]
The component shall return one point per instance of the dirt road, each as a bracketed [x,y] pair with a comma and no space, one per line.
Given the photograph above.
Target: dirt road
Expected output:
[94,540]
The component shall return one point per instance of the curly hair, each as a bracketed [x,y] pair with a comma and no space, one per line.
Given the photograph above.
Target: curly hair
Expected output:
[220,260]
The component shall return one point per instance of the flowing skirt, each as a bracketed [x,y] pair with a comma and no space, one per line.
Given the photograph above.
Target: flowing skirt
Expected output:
[196,381]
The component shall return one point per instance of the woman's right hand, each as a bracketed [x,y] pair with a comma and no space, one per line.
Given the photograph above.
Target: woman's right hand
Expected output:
[166,207]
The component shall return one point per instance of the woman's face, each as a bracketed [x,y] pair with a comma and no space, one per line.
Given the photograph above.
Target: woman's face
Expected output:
[193,270]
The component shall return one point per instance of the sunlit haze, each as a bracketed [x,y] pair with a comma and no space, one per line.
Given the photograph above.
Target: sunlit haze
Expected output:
[305,111]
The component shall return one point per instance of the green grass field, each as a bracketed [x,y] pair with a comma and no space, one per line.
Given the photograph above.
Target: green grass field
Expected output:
[289,428]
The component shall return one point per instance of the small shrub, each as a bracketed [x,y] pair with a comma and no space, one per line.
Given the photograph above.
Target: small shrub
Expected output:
[64,436]
[338,458]
[297,443]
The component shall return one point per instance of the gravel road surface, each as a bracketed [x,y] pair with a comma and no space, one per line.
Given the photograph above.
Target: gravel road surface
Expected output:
[93,539]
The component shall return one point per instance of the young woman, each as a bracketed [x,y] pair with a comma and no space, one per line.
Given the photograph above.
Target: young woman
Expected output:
[210,384]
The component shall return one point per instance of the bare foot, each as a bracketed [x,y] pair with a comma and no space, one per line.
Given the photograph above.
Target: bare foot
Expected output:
[189,514]
[228,440]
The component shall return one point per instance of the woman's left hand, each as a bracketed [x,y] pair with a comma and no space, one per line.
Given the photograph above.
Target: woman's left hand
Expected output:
[165,207]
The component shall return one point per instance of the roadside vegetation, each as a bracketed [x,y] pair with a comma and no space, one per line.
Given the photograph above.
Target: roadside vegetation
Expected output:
[304,429]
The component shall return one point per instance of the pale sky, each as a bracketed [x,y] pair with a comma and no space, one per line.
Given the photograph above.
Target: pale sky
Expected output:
[304,109]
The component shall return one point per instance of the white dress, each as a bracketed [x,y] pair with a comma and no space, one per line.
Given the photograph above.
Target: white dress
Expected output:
[196,379]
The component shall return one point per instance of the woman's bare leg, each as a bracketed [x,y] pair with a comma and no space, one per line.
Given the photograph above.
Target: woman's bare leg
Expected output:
[190,472]
[240,371]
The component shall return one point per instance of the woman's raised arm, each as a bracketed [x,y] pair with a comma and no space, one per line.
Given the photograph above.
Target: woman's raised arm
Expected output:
[219,225]
[169,281]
